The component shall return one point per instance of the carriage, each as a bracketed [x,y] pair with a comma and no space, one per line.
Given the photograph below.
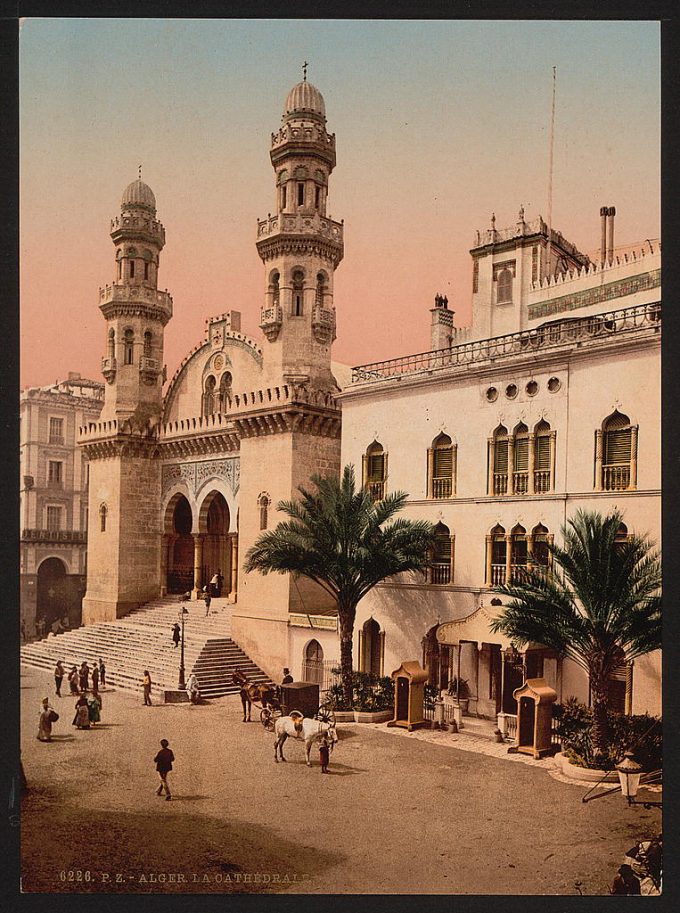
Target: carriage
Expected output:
[275,701]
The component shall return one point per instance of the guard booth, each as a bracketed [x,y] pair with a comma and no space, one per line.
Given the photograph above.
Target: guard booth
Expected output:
[302,696]
[409,695]
[534,716]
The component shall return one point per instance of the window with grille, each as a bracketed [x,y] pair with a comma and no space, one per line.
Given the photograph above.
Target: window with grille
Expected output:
[301,194]
[375,470]
[54,472]
[56,431]
[440,569]
[376,467]
[504,288]
[542,458]
[620,688]
[129,342]
[617,452]
[441,462]
[54,519]
[147,344]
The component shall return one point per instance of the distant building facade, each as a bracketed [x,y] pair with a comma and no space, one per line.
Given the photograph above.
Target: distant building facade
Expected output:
[548,402]
[53,500]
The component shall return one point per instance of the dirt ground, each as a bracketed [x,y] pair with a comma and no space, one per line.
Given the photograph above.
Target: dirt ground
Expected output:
[395,815]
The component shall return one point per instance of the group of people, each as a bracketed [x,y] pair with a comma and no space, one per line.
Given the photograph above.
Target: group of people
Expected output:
[88,709]
[79,679]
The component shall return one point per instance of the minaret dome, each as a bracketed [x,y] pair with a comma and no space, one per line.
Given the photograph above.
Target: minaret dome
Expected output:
[304,98]
[138,195]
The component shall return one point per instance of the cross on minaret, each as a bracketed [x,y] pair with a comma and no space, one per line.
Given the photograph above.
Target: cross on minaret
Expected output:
[304,70]
[140,172]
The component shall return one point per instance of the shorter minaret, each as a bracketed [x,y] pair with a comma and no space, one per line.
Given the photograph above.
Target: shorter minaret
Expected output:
[136,312]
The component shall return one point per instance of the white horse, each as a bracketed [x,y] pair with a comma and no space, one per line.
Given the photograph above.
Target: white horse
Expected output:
[296,726]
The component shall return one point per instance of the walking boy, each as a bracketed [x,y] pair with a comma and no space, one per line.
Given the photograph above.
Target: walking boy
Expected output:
[324,754]
[163,761]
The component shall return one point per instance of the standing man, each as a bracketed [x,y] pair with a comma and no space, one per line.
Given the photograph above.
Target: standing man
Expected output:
[163,761]
[214,584]
[58,678]
[95,678]
[84,677]
[207,597]
[175,634]
[102,673]
[287,677]
[146,683]
[220,583]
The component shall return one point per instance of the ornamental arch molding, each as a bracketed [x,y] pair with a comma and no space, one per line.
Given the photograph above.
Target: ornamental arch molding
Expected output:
[204,497]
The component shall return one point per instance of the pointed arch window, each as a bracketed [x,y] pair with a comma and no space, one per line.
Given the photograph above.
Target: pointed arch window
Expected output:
[274,288]
[436,659]
[103,513]
[496,556]
[540,558]
[298,293]
[441,560]
[520,469]
[441,467]
[544,457]
[371,647]
[321,289]
[498,462]
[519,553]
[375,471]
[225,391]
[522,463]
[209,395]
[263,505]
[616,454]
[504,287]
[129,347]
[112,344]
[148,338]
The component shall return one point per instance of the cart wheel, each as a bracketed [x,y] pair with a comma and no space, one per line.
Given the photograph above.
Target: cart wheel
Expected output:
[266,720]
[325,714]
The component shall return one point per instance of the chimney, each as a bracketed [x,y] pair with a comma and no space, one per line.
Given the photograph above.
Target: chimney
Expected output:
[610,242]
[441,328]
[603,241]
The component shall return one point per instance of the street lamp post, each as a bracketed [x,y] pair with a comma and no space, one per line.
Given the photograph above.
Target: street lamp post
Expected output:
[629,772]
[182,683]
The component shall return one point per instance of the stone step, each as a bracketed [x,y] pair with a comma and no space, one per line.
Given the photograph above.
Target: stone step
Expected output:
[478,727]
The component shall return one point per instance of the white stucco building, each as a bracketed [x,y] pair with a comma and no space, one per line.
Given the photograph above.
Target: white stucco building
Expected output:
[548,402]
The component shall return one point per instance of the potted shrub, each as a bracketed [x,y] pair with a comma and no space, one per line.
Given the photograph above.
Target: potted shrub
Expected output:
[458,693]
[373,698]
[335,695]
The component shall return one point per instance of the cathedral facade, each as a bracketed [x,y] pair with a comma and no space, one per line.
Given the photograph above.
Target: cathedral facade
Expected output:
[182,484]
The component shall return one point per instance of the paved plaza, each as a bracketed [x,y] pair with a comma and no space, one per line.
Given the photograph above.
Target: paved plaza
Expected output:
[399,813]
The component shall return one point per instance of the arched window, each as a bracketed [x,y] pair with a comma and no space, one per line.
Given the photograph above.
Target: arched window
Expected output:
[209,395]
[371,647]
[225,390]
[120,269]
[496,556]
[436,659]
[146,269]
[300,194]
[441,467]
[375,470]
[321,289]
[132,269]
[148,337]
[112,343]
[103,512]
[298,293]
[313,664]
[274,288]
[616,450]
[317,197]
[263,504]
[129,347]
[441,568]
[543,457]
[520,469]
[539,552]
[519,554]
[499,461]
[504,287]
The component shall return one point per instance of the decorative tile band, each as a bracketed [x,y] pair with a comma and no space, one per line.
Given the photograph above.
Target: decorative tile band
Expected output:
[596,295]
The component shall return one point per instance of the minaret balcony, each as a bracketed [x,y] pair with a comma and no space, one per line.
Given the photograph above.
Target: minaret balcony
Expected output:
[300,223]
[323,324]
[111,296]
[137,227]
[271,320]
[149,369]
[109,368]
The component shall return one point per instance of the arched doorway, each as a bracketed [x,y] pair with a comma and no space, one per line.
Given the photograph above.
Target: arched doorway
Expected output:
[53,592]
[312,663]
[436,659]
[180,568]
[371,647]
[213,525]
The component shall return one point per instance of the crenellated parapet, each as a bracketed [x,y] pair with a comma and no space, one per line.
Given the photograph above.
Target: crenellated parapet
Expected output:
[123,300]
[134,227]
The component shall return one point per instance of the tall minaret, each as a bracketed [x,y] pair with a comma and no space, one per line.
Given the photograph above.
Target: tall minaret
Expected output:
[300,247]
[136,312]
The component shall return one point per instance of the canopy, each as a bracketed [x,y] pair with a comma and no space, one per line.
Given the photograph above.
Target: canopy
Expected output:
[473,628]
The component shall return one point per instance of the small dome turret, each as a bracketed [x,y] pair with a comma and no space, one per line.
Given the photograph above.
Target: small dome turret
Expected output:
[138,195]
[304,98]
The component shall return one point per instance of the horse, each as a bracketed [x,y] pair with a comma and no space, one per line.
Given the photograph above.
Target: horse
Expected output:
[251,693]
[296,726]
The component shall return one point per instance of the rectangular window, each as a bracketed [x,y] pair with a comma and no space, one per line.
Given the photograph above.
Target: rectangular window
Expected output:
[54,474]
[301,194]
[521,454]
[317,197]
[475,277]
[500,463]
[132,269]
[283,197]
[146,270]
[443,462]
[54,519]
[56,431]
[534,263]
[376,467]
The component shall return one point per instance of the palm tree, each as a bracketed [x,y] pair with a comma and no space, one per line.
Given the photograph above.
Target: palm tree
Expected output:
[340,538]
[601,605]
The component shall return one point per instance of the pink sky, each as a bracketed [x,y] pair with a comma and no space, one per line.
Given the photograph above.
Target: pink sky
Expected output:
[437,123]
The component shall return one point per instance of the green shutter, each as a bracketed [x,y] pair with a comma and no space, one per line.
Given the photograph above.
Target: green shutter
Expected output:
[542,456]
[521,454]
[443,462]
[617,446]
[500,462]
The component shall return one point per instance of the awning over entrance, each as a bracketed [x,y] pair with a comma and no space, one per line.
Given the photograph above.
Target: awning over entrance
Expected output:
[473,628]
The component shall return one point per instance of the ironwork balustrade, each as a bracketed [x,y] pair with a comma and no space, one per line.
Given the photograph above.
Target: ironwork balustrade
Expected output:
[563,332]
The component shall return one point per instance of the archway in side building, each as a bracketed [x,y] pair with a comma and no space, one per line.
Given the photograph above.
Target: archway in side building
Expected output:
[56,596]
[312,663]
[372,641]
[180,545]
[213,527]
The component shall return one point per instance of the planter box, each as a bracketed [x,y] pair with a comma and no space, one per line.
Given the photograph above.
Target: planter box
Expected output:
[584,774]
[372,716]
[344,716]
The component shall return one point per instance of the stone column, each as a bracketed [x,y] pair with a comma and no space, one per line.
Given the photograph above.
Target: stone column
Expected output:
[234,568]
[454,469]
[508,559]
[165,555]
[633,456]
[511,465]
[598,459]
[489,556]
[198,561]
[553,457]
[532,461]
[490,463]
[430,472]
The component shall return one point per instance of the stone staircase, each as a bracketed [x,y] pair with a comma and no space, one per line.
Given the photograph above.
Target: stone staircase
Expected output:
[142,640]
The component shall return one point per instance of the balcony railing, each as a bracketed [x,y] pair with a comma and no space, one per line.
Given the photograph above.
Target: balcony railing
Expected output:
[518,573]
[616,478]
[77,536]
[441,488]
[376,489]
[497,574]
[500,483]
[520,481]
[439,574]
[566,332]
[541,480]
